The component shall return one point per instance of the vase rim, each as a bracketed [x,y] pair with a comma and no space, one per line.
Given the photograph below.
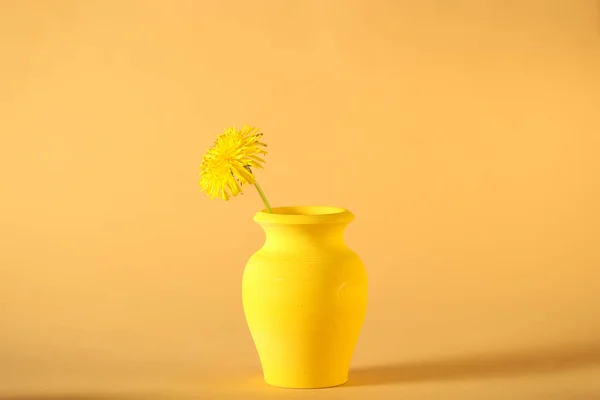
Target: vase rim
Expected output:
[304,215]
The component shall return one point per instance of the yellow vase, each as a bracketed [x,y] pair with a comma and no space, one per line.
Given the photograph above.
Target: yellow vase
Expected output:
[305,297]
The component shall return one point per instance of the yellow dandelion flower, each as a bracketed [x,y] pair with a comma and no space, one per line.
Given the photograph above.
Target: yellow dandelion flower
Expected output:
[227,166]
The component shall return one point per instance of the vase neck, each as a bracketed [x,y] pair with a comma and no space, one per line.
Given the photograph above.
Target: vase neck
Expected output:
[304,239]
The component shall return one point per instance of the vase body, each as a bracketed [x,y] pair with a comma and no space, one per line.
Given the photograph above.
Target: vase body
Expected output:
[305,296]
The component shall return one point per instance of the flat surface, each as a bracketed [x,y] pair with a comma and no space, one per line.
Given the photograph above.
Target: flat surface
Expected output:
[423,382]
[463,135]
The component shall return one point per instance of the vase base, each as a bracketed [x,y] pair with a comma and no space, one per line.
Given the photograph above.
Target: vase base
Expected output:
[320,385]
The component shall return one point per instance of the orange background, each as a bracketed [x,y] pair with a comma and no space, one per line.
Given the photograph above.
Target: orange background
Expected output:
[464,136]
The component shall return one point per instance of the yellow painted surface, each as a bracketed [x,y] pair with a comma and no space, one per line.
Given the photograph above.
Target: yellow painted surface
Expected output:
[305,297]
[462,134]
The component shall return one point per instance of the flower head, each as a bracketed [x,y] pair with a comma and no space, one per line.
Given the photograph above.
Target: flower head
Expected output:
[228,164]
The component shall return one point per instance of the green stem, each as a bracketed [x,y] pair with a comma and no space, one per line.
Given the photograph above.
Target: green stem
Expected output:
[262,196]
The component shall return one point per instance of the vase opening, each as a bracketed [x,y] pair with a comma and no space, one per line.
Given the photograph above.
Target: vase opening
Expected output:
[304,215]
[307,210]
